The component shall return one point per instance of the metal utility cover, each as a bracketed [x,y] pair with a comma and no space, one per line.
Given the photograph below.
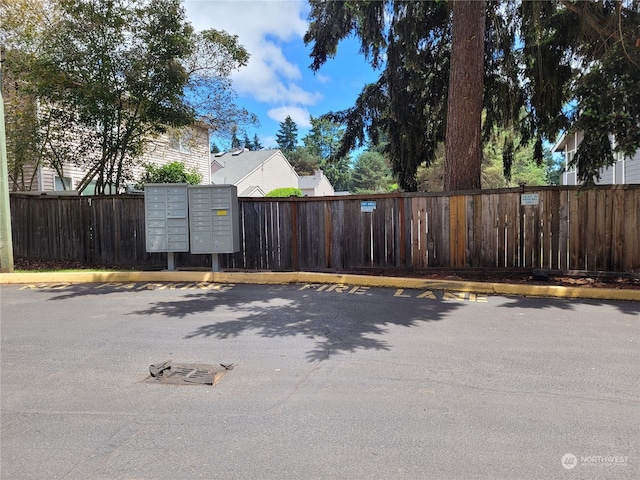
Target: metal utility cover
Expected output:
[187,373]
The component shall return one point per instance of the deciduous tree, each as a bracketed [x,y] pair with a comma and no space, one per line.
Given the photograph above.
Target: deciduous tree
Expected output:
[174,172]
[115,73]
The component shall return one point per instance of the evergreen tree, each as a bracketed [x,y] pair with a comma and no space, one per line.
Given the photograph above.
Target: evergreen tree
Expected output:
[256,142]
[287,135]
[412,43]
[323,142]
[371,174]
[246,142]
[463,146]
[303,161]
[323,139]
[214,148]
[235,141]
[339,173]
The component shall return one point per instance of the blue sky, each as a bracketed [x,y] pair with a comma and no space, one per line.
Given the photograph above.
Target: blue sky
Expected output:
[277,81]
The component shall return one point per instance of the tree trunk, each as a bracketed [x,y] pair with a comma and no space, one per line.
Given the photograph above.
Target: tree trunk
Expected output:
[463,144]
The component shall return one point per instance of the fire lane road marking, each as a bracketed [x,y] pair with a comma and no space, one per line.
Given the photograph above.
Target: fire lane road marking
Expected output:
[400,292]
[219,287]
[136,286]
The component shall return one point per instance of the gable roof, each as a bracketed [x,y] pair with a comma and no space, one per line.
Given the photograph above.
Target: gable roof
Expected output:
[250,191]
[309,181]
[238,164]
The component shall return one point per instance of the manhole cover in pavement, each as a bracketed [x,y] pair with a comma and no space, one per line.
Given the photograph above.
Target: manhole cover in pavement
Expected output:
[188,373]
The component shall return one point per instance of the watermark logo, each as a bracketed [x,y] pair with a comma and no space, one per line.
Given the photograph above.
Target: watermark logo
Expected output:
[569,461]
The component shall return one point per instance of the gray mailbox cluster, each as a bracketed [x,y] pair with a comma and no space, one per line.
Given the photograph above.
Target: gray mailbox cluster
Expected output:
[166,216]
[213,217]
[200,218]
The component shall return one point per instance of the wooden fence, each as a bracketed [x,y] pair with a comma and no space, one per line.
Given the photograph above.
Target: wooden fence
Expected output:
[566,230]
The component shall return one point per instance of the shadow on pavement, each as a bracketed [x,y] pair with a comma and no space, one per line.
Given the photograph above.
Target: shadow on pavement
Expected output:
[627,308]
[278,313]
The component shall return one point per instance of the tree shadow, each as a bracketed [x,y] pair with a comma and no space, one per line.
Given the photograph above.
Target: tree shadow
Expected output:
[320,317]
[538,303]
[67,291]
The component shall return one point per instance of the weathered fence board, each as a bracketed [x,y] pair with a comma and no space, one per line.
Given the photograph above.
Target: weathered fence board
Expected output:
[569,230]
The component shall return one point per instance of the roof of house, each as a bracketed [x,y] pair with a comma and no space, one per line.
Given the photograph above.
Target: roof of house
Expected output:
[237,164]
[249,191]
[309,181]
[560,143]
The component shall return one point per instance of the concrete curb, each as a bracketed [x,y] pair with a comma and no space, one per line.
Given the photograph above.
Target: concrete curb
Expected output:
[322,278]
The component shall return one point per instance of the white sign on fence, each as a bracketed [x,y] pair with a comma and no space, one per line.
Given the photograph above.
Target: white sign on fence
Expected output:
[367,206]
[529,199]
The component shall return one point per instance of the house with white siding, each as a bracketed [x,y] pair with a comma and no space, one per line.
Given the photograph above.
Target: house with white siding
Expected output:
[189,145]
[625,170]
[254,173]
[316,185]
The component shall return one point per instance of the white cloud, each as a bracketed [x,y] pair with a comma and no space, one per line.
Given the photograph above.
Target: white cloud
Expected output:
[298,114]
[269,142]
[261,26]
[323,78]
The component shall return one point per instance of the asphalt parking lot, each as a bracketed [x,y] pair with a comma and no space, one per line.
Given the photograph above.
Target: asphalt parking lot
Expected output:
[330,381]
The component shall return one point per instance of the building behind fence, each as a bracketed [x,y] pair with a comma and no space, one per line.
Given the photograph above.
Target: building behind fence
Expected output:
[566,230]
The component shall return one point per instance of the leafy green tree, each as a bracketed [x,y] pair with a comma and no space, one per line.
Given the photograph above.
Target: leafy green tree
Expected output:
[287,135]
[371,173]
[323,139]
[112,74]
[554,166]
[303,161]
[524,168]
[323,142]
[216,54]
[174,172]
[213,148]
[23,139]
[130,89]
[339,173]
[29,131]
[285,192]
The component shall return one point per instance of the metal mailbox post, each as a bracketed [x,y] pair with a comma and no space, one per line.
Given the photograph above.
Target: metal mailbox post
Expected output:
[214,220]
[166,217]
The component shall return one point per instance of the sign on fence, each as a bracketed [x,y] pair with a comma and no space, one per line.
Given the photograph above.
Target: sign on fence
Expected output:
[529,199]
[367,207]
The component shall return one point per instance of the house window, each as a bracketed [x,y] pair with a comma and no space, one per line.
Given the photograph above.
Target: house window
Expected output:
[62,184]
[181,141]
[90,189]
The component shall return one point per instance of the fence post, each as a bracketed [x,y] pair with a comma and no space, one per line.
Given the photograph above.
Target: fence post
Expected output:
[6,242]
[294,235]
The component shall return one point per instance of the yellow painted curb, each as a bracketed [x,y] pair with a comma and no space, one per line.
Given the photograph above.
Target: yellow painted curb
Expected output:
[322,278]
